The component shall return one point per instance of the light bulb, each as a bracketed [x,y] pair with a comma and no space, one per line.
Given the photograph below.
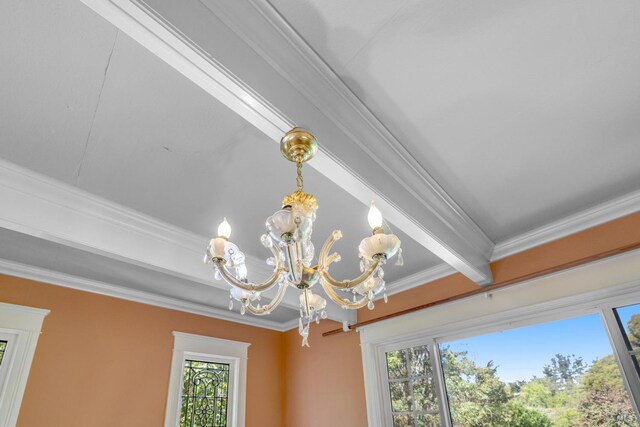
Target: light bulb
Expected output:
[374,217]
[224,229]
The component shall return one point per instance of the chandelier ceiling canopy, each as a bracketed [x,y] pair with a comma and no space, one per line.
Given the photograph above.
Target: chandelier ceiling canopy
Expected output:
[288,237]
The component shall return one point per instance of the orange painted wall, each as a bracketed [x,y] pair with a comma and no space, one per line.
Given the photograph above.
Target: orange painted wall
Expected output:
[105,362]
[592,242]
[324,384]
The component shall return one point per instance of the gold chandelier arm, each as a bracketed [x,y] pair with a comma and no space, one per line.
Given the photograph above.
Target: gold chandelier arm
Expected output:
[220,264]
[354,305]
[264,310]
[250,287]
[325,277]
[324,261]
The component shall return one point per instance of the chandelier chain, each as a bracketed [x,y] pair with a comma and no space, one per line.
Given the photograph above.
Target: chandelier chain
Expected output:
[299,178]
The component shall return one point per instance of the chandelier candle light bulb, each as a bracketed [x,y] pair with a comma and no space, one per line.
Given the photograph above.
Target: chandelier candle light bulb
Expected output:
[224,229]
[374,217]
[288,238]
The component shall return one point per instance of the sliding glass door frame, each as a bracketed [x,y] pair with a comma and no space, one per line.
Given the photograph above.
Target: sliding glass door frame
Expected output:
[630,374]
[565,308]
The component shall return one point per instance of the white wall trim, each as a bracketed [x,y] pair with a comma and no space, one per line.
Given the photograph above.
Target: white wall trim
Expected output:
[216,350]
[18,180]
[600,214]
[42,207]
[610,277]
[21,327]
[183,249]
[588,218]
[24,271]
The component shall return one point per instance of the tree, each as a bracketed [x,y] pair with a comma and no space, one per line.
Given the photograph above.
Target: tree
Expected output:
[633,325]
[536,394]
[564,371]
[478,398]
[520,416]
[606,402]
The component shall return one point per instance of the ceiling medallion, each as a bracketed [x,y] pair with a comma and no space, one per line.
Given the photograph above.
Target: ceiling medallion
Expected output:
[288,238]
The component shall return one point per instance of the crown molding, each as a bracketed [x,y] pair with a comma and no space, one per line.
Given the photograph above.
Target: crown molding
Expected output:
[42,207]
[291,324]
[24,271]
[19,182]
[605,212]
[358,152]
[600,214]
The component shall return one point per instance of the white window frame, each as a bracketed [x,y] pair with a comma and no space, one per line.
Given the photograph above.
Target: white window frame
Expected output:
[595,288]
[436,368]
[20,326]
[217,350]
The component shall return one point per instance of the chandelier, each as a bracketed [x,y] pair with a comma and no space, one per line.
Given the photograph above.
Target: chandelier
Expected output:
[288,237]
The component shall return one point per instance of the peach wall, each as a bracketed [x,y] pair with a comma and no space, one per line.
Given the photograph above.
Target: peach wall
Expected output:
[588,243]
[324,384]
[105,362]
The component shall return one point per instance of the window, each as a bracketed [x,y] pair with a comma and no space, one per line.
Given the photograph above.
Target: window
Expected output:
[560,373]
[19,331]
[411,388]
[628,319]
[205,394]
[562,350]
[549,374]
[3,347]
[207,383]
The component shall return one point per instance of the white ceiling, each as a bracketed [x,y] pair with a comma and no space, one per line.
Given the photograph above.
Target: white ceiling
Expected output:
[523,112]
[93,109]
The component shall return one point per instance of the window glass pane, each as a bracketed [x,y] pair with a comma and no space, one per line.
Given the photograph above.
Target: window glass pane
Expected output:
[424,394]
[400,396]
[411,387]
[403,421]
[629,320]
[397,364]
[428,421]
[3,347]
[419,361]
[554,374]
[205,392]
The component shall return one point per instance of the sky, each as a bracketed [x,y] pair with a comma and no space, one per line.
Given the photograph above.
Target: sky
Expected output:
[521,353]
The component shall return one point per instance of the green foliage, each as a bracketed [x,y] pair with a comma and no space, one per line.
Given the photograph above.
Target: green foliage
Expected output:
[571,396]
[566,417]
[570,393]
[608,407]
[535,393]
[633,325]
[520,416]
[604,374]
[564,371]
[606,402]
[479,398]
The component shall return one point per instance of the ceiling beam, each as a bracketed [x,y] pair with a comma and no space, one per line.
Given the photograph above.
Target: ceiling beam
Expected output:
[39,206]
[264,59]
